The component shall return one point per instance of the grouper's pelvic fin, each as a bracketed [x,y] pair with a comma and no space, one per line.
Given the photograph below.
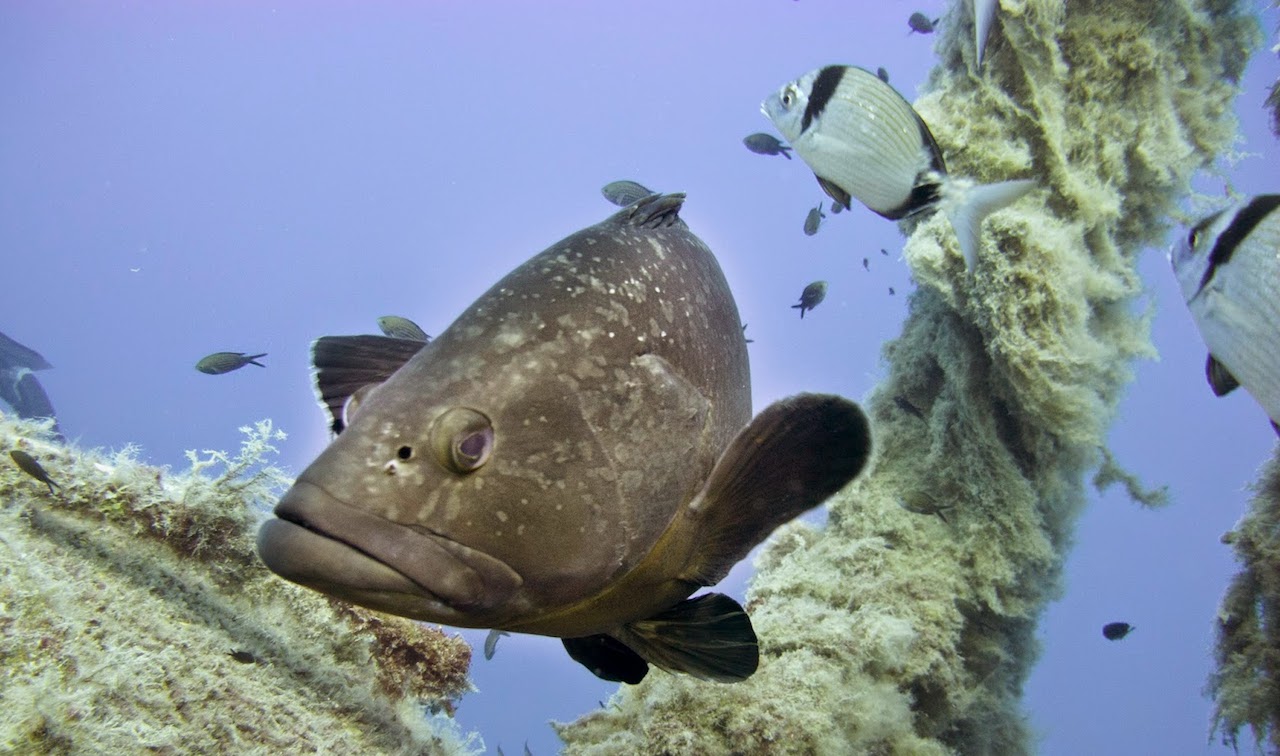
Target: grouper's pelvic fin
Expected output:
[708,636]
[968,205]
[342,365]
[790,458]
[607,658]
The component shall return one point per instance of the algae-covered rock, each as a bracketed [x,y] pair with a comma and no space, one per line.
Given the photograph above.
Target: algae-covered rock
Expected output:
[1246,684]
[136,617]
[895,631]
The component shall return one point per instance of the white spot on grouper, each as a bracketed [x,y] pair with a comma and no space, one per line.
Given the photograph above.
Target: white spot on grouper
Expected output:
[509,336]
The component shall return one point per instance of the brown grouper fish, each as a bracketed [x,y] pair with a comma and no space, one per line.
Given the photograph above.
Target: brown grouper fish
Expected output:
[574,456]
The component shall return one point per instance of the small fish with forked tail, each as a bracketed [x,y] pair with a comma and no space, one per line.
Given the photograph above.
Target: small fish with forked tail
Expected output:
[224,362]
[766,144]
[1116,630]
[30,466]
[811,297]
[922,24]
[624,192]
[491,643]
[402,328]
[813,221]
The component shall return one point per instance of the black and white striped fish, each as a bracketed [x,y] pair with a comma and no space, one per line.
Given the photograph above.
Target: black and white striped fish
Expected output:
[1229,268]
[864,141]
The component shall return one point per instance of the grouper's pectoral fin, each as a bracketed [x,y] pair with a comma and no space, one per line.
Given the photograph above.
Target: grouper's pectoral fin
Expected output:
[709,637]
[342,365]
[790,458]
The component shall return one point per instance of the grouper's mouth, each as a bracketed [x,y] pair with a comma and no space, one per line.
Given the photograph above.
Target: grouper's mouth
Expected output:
[318,541]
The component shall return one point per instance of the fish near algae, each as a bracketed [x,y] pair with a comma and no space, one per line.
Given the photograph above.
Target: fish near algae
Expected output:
[893,632]
[574,456]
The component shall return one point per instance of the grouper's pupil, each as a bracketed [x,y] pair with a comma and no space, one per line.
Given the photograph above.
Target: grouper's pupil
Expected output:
[475,448]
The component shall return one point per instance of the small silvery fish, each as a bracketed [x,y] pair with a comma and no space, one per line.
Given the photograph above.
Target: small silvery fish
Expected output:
[836,207]
[811,297]
[813,220]
[491,643]
[402,328]
[865,142]
[1228,266]
[921,23]
[31,467]
[766,144]
[623,193]
[224,362]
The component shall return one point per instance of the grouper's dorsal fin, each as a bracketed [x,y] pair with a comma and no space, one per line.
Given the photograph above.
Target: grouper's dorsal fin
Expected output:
[342,365]
[1221,381]
[607,658]
[790,458]
[708,636]
[654,211]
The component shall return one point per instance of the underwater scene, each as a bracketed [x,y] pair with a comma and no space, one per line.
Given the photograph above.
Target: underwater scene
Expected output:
[770,377]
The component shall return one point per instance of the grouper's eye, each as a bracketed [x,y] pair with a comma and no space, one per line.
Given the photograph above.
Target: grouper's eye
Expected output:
[462,440]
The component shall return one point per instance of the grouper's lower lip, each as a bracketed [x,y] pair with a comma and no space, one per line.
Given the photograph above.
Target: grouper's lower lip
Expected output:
[325,544]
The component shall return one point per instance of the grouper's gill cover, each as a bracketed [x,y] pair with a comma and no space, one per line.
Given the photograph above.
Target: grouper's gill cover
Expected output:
[568,458]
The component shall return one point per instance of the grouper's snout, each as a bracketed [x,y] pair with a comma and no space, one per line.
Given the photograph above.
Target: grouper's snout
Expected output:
[320,542]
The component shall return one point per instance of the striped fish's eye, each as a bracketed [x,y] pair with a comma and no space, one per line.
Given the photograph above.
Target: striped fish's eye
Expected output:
[788,96]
